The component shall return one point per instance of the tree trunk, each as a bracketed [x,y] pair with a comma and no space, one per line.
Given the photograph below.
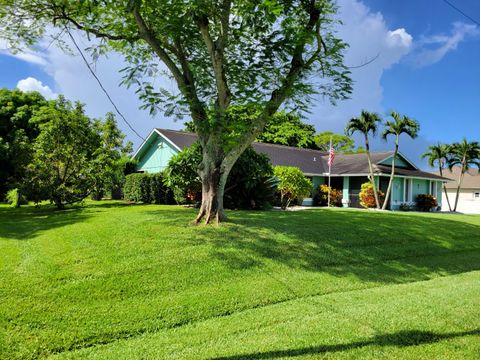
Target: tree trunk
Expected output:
[392,175]
[372,177]
[445,190]
[462,172]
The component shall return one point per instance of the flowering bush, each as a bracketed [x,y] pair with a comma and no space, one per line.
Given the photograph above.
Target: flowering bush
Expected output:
[321,198]
[426,202]
[367,198]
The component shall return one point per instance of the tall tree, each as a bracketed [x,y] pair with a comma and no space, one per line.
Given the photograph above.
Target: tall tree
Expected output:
[340,143]
[365,124]
[17,134]
[464,155]
[439,154]
[219,53]
[400,125]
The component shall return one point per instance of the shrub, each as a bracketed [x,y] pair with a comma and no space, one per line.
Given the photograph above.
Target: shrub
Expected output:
[426,202]
[147,188]
[15,198]
[292,185]
[321,198]
[367,197]
[249,184]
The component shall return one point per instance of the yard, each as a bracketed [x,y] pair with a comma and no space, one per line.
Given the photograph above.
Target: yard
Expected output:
[116,281]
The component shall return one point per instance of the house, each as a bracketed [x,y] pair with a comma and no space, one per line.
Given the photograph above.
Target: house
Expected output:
[348,173]
[469,196]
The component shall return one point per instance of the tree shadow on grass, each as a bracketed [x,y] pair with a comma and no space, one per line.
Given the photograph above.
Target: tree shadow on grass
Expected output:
[399,339]
[27,222]
[375,247]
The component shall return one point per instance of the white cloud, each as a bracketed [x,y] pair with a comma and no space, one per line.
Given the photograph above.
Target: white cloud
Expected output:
[368,36]
[27,55]
[442,44]
[31,84]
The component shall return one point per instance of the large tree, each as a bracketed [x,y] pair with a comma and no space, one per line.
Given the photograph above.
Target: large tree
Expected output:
[366,123]
[396,127]
[219,53]
[17,134]
[464,155]
[340,143]
[439,154]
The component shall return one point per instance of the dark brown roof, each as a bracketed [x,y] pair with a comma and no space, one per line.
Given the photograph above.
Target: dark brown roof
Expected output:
[312,162]
[309,161]
[471,179]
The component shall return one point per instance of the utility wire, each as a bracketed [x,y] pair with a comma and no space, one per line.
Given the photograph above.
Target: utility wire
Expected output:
[461,12]
[101,85]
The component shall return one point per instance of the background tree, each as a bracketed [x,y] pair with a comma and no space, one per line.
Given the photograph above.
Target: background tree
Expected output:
[63,166]
[219,53]
[365,124]
[464,155]
[17,134]
[439,154]
[292,184]
[400,125]
[288,129]
[110,156]
[340,143]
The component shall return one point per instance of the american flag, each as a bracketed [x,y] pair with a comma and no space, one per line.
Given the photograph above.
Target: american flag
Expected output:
[331,156]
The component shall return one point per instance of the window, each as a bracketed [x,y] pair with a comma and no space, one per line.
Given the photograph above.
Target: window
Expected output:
[476,196]
[433,188]
[408,184]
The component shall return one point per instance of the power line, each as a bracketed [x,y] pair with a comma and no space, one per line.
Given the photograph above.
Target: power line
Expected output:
[101,85]
[461,12]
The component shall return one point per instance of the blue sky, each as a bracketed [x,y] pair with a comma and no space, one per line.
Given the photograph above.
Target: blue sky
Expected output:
[427,68]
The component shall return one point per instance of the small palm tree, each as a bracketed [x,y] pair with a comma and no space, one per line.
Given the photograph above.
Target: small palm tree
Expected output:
[464,154]
[439,154]
[367,123]
[400,125]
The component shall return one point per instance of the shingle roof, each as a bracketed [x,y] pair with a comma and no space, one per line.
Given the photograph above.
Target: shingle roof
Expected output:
[471,178]
[312,162]
[309,161]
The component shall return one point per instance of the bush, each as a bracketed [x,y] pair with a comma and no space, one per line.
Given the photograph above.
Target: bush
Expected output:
[321,198]
[147,188]
[426,202]
[367,197]
[15,198]
[249,184]
[292,185]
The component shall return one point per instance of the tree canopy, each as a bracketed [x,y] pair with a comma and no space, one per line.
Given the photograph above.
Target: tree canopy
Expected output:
[219,53]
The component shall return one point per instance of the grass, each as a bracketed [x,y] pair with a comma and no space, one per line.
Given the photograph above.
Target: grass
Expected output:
[137,281]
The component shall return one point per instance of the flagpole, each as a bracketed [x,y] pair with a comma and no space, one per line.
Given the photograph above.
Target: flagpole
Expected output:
[329,172]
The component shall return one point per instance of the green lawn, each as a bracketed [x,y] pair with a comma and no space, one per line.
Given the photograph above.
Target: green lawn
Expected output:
[131,281]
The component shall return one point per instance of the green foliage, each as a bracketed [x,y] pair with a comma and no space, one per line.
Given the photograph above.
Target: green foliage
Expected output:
[15,198]
[181,174]
[340,143]
[249,184]
[288,129]
[292,185]
[401,125]
[321,197]
[64,163]
[426,202]
[17,134]
[366,123]
[367,197]
[147,188]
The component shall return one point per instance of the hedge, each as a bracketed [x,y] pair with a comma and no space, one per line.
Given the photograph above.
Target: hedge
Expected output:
[147,188]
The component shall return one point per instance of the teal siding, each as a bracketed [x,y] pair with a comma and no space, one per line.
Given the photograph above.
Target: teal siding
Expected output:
[397,193]
[399,161]
[439,192]
[420,187]
[156,155]
[346,194]
[317,181]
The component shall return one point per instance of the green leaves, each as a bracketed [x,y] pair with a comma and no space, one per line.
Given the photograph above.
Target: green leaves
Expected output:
[292,184]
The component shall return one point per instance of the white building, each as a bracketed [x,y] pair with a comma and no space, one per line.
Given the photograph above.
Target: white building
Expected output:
[469,198]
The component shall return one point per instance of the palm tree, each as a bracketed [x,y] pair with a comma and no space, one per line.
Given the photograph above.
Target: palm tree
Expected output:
[400,125]
[365,124]
[464,154]
[440,154]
